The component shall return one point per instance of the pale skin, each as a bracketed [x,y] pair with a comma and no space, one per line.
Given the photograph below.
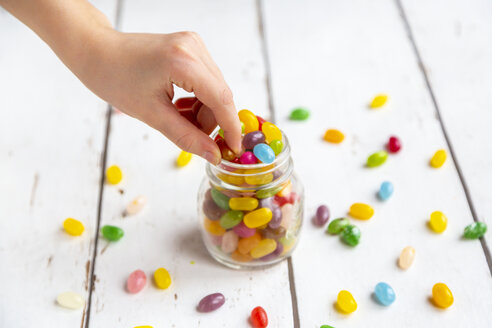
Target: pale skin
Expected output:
[136,73]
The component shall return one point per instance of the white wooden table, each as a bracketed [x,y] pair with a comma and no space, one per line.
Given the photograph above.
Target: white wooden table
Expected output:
[433,57]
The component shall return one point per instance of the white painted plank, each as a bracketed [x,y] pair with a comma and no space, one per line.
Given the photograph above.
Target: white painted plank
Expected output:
[333,57]
[51,133]
[166,233]
[453,38]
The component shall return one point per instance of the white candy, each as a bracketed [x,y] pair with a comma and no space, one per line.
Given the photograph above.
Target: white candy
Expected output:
[70,300]
[136,205]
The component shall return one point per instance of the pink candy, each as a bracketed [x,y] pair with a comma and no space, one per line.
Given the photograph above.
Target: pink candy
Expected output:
[136,281]
[248,158]
[243,231]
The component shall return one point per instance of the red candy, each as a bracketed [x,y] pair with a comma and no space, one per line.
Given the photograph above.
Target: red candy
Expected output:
[290,198]
[217,137]
[226,152]
[393,145]
[186,102]
[261,120]
[259,318]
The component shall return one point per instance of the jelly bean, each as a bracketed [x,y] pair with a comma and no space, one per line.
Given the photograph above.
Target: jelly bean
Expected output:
[299,114]
[73,227]
[245,245]
[346,302]
[215,240]
[267,193]
[248,158]
[385,190]
[277,146]
[438,159]
[276,253]
[273,233]
[281,201]
[271,132]
[185,102]
[136,205]
[220,199]
[256,177]
[229,242]
[211,302]
[213,227]
[259,318]
[252,139]
[243,231]
[438,221]
[264,247]
[243,203]
[212,211]
[143,327]
[217,137]
[326,326]
[334,136]
[112,233]
[261,120]
[384,294]
[225,151]
[266,202]
[361,211]
[237,256]
[276,218]
[286,189]
[136,281]
[249,119]
[236,180]
[407,257]
[162,278]
[287,241]
[351,235]
[70,300]
[442,296]
[336,226]
[322,215]
[475,230]
[183,159]
[114,175]
[394,145]
[377,158]
[231,219]
[379,100]
[264,153]
[258,217]
[287,215]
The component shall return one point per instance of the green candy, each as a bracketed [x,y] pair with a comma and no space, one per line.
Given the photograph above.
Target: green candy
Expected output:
[112,233]
[336,226]
[287,240]
[351,235]
[266,193]
[475,230]
[277,146]
[376,159]
[326,326]
[231,219]
[220,199]
[299,114]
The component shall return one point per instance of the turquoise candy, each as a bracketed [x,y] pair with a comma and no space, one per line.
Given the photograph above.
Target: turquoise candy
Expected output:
[351,235]
[386,190]
[336,226]
[231,219]
[377,159]
[264,153]
[299,114]
[475,230]
[112,233]
[384,294]
[220,199]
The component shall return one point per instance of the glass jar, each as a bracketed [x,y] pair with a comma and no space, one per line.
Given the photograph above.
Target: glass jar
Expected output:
[251,215]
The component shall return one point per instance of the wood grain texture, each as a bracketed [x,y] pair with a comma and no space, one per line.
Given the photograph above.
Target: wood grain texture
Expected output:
[333,57]
[166,233]
[51,130]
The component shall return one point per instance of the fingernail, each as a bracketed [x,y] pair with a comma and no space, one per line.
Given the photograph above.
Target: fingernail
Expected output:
[210,157]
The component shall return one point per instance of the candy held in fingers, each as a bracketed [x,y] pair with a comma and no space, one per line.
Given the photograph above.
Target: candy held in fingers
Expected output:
[136,281]
[183,159]
[259,317]
[211,302]
[475,230]
[384,294]
[346,302]
[162,278]
[225,151]
[70,300]
[407,257]
[73,227]
[438,159]
[322,215]
[442,296]
[114,175]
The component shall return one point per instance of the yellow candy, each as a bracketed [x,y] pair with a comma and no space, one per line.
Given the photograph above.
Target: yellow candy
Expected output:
[213,227]
[442,296]
[271,132]
[162,278]
[285,190]
[379,101]
[258,217]
[232,179]
[250,121]
[114,175]
[346,302]
[438,159]
[264,247]
[143,327]
[183,159]
[361,211]
[438,221]
[73,227]
[243,203]
[237,256]
[253,178]
[334,136]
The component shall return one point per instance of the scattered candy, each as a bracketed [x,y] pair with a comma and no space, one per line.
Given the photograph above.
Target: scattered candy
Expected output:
[361,211]
[264,153]
[377,158]
[299,114]
[183,159]
[73,227]
[70,300]
[351,235]
[334,136]
[384,294]
[114,175]
[336,226]
[379,101]
[136,205]
[259,317]
[438,221]
[385,190]
[162,278]
[112,233]
[346,302]
[438,159]
[136,281]
[442,296]
[322,215]
[211,302]
[407,257]
[475,230]
[394,145]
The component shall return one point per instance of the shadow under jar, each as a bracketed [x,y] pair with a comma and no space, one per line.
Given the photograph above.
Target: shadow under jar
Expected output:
[251,215]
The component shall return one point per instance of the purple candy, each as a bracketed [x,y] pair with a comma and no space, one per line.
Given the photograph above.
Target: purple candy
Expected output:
[243,231]
[248,158]
[212,211]
[276,218]
[211,302]
[322,216]
[274,254]
[266,202]
[251,139]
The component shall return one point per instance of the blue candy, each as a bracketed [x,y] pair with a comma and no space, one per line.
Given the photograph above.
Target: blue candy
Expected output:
[264,153]
[386,190]
[384,294]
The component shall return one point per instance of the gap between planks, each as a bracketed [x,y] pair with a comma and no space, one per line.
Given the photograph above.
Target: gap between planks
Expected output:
[421,65]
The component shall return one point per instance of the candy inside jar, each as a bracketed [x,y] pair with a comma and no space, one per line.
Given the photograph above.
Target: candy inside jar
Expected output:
[251,210]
